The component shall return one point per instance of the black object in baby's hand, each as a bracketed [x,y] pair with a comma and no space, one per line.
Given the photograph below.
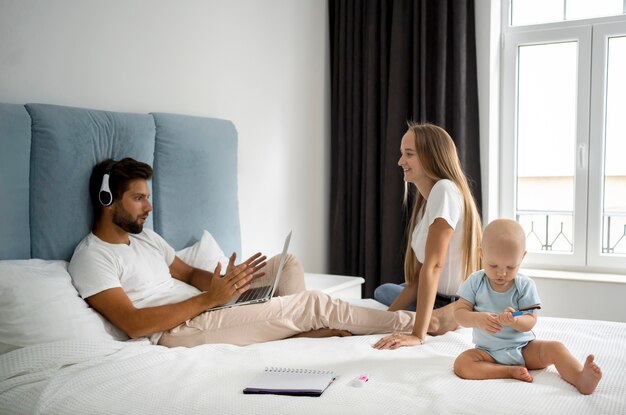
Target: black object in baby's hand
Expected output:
[526,310]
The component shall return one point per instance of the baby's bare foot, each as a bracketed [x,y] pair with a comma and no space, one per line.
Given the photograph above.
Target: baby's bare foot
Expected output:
[521,373]
[589,377]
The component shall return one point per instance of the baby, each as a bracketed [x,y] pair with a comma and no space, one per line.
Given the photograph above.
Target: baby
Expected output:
[505,345]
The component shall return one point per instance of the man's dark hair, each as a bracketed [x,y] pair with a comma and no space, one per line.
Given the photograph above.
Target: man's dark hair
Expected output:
[120,174]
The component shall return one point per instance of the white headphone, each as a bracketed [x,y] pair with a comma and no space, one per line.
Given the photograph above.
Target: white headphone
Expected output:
[105,196]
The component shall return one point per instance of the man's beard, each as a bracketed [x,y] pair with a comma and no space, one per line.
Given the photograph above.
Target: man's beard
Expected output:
[124,220]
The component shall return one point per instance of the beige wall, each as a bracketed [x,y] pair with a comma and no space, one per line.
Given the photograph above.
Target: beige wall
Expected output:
[533,192]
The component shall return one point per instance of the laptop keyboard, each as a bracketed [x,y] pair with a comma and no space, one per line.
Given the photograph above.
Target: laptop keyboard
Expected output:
[254,293]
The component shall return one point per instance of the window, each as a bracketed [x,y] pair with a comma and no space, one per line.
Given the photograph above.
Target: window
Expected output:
[563,145]
[529,12]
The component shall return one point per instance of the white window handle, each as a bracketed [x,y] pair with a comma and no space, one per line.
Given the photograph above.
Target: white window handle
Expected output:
[582,153]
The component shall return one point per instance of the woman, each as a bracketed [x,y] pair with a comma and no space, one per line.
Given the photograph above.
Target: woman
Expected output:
[445,234]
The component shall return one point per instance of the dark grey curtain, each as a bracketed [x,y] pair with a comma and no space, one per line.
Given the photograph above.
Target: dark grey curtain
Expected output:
[392,61]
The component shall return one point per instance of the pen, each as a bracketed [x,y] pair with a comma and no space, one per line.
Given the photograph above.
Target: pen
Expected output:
[526,310]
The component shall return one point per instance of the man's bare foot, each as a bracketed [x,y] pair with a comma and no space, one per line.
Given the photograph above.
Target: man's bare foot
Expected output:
[319,333]
[589,377]
[521,373]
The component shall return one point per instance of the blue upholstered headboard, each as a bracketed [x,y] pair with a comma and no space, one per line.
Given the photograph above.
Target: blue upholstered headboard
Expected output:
[47,153]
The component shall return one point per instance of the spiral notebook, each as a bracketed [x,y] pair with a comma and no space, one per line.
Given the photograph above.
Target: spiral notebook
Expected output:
[285,381]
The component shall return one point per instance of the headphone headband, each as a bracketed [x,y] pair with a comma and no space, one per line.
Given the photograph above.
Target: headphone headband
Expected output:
[110,166]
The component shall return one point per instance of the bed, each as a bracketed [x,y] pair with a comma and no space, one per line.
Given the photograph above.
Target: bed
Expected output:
[58,356]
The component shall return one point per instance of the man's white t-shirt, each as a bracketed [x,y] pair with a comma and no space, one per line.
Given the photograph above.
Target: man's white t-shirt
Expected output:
[444,201]
[141,269]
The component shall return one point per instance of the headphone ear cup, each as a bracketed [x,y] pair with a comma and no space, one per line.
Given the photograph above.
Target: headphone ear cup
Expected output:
[105,196]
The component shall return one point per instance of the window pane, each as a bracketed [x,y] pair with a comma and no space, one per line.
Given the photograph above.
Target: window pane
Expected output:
[614,220]
[585,9]
[546,143]
[525,12]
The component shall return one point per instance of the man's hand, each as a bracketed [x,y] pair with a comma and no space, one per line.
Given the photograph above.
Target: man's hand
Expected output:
[223,289]
[256,262]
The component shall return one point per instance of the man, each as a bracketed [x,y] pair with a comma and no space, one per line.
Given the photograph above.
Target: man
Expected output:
[133,278]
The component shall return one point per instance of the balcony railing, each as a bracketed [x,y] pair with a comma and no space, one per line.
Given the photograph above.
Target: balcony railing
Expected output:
[553,231]
[618,221]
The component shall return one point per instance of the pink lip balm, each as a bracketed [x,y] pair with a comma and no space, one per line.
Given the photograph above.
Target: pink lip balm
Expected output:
[360,381]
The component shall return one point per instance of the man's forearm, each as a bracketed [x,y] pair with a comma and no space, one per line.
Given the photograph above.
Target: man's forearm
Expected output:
[200,279]
[145,321]
[116,307]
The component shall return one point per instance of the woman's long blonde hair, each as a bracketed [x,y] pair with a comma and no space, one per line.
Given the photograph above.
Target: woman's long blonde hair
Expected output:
[437,155]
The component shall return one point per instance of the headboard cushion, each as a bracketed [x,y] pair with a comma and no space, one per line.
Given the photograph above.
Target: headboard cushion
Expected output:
[47,153]
[195,162]
[14,187]
[66,144]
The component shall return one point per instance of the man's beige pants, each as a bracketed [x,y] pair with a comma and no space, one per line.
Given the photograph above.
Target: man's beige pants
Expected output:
[293,311]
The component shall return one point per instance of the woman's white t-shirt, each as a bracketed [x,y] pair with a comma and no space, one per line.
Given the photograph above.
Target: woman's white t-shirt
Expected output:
[444,201]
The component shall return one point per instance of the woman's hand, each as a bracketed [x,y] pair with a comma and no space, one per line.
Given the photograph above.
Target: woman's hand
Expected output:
[396,340]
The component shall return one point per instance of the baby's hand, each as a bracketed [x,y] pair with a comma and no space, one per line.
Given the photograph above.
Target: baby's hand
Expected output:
[489,322]
[506,317]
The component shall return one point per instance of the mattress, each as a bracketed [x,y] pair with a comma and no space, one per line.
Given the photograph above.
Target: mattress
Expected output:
[134,377]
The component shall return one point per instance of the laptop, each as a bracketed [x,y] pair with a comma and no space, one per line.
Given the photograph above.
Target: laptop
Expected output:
[263,293]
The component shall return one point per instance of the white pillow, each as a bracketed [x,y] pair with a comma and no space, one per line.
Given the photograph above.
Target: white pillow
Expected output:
[39,304]
[204,254]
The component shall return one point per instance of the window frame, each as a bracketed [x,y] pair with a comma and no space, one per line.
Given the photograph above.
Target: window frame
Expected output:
[602,32]
[592,36]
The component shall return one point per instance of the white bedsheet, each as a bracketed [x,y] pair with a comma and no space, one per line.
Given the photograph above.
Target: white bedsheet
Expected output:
[137,378]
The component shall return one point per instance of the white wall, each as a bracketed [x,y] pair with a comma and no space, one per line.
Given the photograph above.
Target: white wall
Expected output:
[261,63]
[488,66]
[562,295]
